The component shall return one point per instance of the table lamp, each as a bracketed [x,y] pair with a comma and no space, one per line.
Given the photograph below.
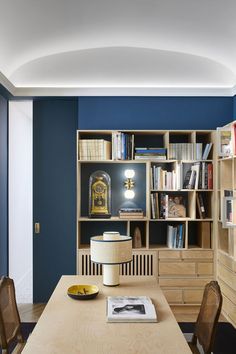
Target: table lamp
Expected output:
[111,249]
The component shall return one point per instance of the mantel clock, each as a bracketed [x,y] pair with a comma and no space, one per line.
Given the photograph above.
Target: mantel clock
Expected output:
[100,195]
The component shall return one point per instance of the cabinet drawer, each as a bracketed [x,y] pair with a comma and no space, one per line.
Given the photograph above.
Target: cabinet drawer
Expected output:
[173,296]
[193,296]
[177,268]
[184,282]
[205,268]
[197,254]
[169,254]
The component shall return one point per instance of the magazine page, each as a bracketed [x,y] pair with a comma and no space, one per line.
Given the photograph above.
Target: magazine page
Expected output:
[130,309]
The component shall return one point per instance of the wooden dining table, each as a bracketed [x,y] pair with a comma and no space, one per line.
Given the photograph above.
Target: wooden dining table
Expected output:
[69,326]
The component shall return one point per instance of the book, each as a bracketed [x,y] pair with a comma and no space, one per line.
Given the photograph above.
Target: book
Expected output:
[210,176]
[130,309]
[200,206]
[187,179]
[206,151]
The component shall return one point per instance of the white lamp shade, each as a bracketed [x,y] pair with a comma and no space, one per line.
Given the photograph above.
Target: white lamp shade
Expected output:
[129,173]
[116,250]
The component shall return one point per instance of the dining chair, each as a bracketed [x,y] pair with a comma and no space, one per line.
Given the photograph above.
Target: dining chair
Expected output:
[205,328]
[10,326]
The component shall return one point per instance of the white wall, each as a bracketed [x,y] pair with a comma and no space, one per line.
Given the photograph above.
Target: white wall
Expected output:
[20,198]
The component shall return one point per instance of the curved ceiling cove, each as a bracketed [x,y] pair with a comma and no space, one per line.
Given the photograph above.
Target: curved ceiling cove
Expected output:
[109,67]
[126,43]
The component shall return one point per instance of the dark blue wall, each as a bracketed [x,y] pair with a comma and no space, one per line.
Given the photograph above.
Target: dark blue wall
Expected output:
[54,190]
[234,108]
[3,186]
[154,112]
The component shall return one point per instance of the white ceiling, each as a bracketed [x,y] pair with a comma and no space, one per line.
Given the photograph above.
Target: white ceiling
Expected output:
[118,47]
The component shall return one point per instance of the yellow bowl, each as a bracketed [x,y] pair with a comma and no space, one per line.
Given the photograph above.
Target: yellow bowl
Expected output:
[83,292]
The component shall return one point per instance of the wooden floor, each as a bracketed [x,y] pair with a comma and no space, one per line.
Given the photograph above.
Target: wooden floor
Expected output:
[32,312]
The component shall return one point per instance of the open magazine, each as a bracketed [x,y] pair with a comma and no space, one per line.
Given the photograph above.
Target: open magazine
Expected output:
[130,309]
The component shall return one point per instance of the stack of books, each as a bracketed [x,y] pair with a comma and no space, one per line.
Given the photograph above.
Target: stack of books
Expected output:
[130,309]
[94,149]
[150,153]
[131,213]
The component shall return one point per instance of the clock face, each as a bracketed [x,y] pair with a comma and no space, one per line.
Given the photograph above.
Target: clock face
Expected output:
[99,188]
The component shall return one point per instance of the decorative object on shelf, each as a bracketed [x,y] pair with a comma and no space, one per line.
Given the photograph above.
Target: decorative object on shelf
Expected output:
[176,208]
[82,292]
[225,147]
[100,195]
[111,249]
[137,238]
[129,184]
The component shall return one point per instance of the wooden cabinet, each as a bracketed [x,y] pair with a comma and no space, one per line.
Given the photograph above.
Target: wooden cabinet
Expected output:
[185,273]
[177,246]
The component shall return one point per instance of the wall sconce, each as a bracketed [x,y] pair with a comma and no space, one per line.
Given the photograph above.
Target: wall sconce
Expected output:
[129,184]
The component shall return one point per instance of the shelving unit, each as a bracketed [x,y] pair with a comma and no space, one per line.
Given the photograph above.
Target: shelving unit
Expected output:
[226,248]
[182,272]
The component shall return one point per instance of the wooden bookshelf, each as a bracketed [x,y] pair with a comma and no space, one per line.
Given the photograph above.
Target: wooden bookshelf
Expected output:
[226,233]
[154,255]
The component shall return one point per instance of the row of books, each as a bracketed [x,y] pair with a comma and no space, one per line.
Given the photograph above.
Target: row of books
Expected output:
[150,153]
[196,176]
[189,151]
[94,149]
[175,236]
[199,176]
[122,146]
[163,179]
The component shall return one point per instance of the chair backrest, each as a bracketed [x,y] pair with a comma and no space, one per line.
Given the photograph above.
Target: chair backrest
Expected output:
[9,316]
[208,316]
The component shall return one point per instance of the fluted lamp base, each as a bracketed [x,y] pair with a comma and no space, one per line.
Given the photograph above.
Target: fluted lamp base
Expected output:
[111,275]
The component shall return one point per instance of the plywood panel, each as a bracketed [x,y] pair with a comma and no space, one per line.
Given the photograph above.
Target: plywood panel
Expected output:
[175,268]
[184,282]
[193,296]
[227,276]
[173,296]
[205,268]
[197,254]
[228,292]
[169,254]
[226,260]
[230,309]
